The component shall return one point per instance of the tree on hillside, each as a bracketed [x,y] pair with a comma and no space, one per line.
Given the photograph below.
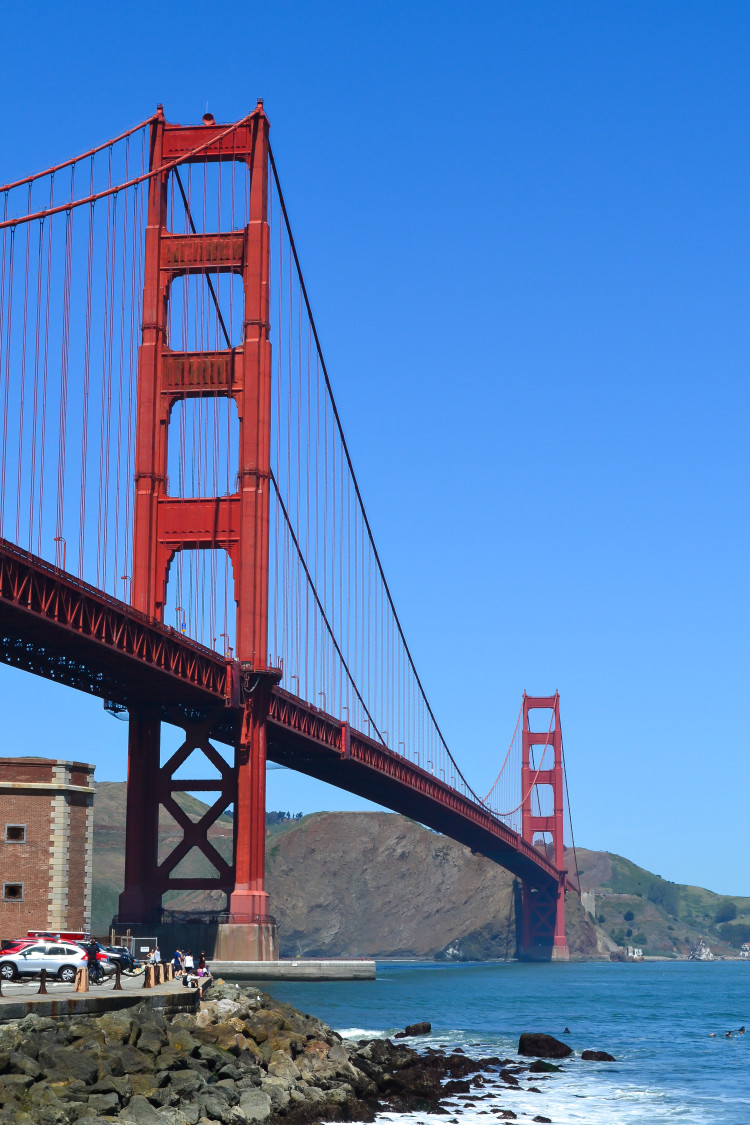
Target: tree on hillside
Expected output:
[727,911]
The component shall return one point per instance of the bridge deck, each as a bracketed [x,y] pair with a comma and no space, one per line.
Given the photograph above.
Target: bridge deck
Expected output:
[60,628]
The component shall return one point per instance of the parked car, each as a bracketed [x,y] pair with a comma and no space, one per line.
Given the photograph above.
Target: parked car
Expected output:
[62,960]
[14,946]
[122,954]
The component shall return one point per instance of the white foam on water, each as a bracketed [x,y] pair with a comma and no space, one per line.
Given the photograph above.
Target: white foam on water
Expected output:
[356,1033]
[580,1094]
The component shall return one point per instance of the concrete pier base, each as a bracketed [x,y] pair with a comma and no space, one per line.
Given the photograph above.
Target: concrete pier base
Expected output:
[293,970]
[254,942]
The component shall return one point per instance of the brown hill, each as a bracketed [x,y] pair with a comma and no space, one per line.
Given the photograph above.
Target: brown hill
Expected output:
[350,884]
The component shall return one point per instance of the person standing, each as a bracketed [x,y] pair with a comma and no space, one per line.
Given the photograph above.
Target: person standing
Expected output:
[177,962]
[189,962]
[92,953]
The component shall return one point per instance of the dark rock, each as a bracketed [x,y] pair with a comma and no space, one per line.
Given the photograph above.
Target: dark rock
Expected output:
[539,1066]
[543,1046]
[414,1029]
[185,1082]
[104,1103]
[597,1056]
[509,1078]
[129,1060]
[540,1118]
[14,1083]
[24,1064]
[151,1040]
[140,1110]
[457,1086]
[111,1084]
[68,1062]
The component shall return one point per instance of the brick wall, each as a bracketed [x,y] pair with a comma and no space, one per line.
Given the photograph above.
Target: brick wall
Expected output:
[53,801]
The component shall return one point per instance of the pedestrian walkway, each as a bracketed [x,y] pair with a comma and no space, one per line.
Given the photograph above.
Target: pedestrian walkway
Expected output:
[20,997]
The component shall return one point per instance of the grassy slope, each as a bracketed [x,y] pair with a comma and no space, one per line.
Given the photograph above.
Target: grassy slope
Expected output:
[668,917]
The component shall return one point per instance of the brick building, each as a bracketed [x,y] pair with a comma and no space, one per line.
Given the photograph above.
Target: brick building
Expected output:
[46,845]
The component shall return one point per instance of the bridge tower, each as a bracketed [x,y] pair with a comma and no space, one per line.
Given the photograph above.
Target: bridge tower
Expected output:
[237,523]
[543,910]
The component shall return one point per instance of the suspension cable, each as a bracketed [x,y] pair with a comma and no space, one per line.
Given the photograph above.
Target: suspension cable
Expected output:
[502,767]
[163,168]
[320,605]
[83,156]
[355,482]
[570,815]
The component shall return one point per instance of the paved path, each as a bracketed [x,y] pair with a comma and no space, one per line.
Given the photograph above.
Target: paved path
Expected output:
[21,997]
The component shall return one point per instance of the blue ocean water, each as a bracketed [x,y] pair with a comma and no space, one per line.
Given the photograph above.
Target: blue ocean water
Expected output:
[655,1018]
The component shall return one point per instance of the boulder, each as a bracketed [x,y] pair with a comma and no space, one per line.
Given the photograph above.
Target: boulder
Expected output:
[277,1090]
[597,1056]
[140,1110]
[151,1040]
[543,1046]
[414,1029]
[281,1065]
[24,1064]
[539,1066]
[104,1103]
[67,1062]
[129,1060]
[116,1027]
[255,1104]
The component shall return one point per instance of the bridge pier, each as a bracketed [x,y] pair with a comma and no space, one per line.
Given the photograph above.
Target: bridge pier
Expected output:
[542,936]
[250,933]
[141,898]
[245,931]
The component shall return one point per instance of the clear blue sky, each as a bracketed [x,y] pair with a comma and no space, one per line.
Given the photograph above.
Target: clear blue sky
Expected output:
[525,231]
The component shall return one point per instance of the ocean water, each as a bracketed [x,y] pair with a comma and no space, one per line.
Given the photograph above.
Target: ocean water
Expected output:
[655,1018]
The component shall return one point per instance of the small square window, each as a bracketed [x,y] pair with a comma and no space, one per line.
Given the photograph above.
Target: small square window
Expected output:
[12,892]
[15,833]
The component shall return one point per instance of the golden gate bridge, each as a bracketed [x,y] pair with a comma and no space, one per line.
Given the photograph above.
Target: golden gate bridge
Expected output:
[182,532]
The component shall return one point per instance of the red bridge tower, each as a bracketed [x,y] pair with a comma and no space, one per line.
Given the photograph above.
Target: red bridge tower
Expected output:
[543,911]
[237,523]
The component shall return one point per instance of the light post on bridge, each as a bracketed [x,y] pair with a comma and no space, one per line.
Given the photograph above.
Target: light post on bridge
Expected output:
[61,539]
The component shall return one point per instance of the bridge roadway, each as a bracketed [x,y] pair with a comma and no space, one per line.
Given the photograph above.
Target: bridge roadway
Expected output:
[63,629]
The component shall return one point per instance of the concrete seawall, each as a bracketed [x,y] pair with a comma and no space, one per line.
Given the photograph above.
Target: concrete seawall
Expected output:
[293,970]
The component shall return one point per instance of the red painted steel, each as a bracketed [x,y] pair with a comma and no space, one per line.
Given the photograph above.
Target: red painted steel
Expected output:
[544,912]
[60,627]
[114,651]
[46,613]
[238,524]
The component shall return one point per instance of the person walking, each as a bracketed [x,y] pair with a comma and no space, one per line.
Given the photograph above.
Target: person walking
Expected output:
[177,962]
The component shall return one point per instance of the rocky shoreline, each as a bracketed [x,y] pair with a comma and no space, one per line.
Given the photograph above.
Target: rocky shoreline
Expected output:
[242,1057]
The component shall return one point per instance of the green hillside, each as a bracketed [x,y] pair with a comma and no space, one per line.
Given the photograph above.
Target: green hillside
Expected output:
[634,906]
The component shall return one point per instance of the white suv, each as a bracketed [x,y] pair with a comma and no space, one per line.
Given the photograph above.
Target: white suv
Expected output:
[61,959]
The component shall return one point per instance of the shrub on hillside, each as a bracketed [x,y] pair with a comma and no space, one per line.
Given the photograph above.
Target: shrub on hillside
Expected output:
[665,894]
[727,911]
[628,915]
[736,934]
